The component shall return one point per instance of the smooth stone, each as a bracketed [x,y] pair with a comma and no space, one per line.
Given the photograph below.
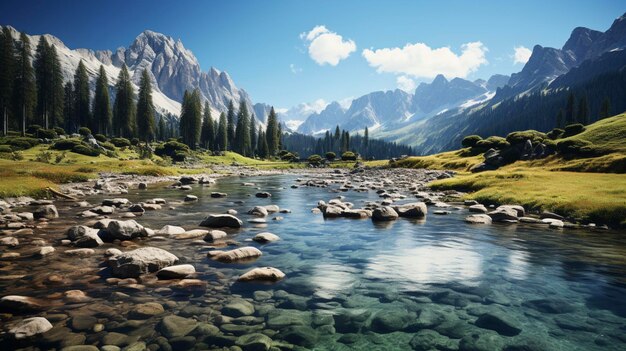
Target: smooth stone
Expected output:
[385,213]
[176,272]
[126,230]
[75,296]
[243,253]
[80,252]
[390,321]
[478,219]
[503,213]
[263,194]
[21,303]
[175,326]
[103,210]
[499,322]
[47,212]
[221,220]
[170,230]
[254,342]
[262,274]
[238,307]
[190,198]
[132,264]
[258,211]
[427,339]
[412,210]
[30,327]
[214,235]
[266,237]
[146,310]
[46,250]
[83,322]
[300,335]
[478,208]
[9,241]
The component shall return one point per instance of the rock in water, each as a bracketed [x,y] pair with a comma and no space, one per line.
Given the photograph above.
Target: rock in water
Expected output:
[412,210]
[385,213]
[30,327]
[48,212]
[176,272]
[503,213]
[499,322]
[478,219]
[221,220]
[254,342]
[19,303]
[266,237]
[133,263]
[242,253]
[263,274]
[170,230]
[125,230]
[214,235]
[258,211]
[174,326]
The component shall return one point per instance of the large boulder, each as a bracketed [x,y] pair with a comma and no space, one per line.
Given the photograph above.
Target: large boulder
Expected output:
[478,208]
[266,237]
[503,214]
[478,219]
[221,220]
[385,213]
[90,239]
[242,253]
[132,264]
[47,212]
[125,230]
[262,274]
[30,327]
[258,211]
[412,210]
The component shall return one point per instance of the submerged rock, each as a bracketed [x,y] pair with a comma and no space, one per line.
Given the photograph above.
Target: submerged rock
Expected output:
[133,263]
[30,327]
[19,303]
[175,326]
[499,322]
[254,342]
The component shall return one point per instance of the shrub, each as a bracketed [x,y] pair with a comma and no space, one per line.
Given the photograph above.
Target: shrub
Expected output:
[44,156]
[574,147]
[314,159]
[107,145]
[101,138]
[134,141]
[555,133]
[288,157]
[177,151]
[66,144]
[120,142]
[164,161]
[493,142]
[33,129]
[573,129]
[84,131]
[348,156]
[85,150]
[145,153]
[330,156]
[59,130]
[520,137]
[59,157]
[5,149]
[47,134]
[471,140]
[22,143]
[16,156]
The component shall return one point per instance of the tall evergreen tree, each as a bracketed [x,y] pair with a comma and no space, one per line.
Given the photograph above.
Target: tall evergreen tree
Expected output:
[42,65]
[280,135]
[124,113]
[560,119]
[68,105]
[24,89]
[271,133]
[221,143]
[207,136]
[102,104]
[337,133]
[82,107]
[57,94]
[605,108]
[191,118]
[162,129]
[216,128]
[262,143]
[253,137]
[7,67]
[242,134]
[569,109]
[366,141]
[583,111]
[145,109]
[230,117]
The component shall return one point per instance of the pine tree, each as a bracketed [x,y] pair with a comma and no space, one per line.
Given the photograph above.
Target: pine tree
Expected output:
[57,94]
[162,129]
[242,133]
[253,137]
[222,133]
[337,133]
[191,118]
[230,117]
[82,105]
[271,133]
[124,113]
[207,136]
[605,108]
[216,128]
[583,111]
[262,143]
[24,89]
[7,67]
[279,131]
[68,106]
[42,65]
[145,109]
[366,141]
[560,119]
[569,109]
[102,104]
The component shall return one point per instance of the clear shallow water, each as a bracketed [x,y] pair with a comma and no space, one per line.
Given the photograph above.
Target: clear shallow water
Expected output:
[355,284]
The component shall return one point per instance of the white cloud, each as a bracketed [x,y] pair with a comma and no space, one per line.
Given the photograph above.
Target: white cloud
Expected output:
[522,54]
[421,61]
[405,83]
[294,69]
[326,47]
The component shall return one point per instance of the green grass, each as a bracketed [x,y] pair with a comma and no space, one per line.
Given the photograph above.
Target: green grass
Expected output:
[460,160]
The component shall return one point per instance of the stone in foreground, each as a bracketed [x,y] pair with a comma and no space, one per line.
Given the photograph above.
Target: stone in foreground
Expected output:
[266,237]
[385,213]
[176,272]
[221,220]
[30,327]
[270,274]
[144,260]
[243,253]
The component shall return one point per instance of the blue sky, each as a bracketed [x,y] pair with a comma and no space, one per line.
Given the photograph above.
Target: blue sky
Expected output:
[260,43]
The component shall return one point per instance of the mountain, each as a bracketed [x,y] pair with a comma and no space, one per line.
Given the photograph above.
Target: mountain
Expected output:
[384,112]
[172,69]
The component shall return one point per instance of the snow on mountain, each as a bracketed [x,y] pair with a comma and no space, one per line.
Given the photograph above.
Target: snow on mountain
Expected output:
[172,68]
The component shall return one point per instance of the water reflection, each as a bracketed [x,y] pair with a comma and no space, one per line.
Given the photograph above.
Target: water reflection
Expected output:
[518,264]
[332,279]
